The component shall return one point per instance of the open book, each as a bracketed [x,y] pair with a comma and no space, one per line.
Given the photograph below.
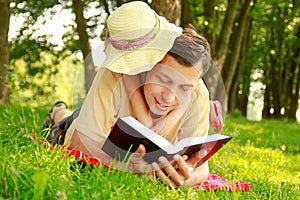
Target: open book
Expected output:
[128,134]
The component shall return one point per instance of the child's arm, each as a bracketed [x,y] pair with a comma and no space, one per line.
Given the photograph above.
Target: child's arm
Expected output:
[164,127]
[134,92]
[215,116]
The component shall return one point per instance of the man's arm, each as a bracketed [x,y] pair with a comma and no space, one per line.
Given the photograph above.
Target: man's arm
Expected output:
[135,164]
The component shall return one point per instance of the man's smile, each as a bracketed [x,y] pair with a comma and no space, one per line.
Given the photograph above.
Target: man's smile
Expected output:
[160,106]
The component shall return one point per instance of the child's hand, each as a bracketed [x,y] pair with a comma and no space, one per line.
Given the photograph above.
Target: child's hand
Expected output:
[161,128]
[164,130]
[137,163]
[164,126]
[215,116]
[146,120]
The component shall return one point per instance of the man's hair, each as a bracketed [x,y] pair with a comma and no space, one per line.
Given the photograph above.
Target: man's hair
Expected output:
[191,48]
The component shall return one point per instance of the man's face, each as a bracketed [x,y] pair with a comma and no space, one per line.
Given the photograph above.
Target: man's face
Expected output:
[169,86]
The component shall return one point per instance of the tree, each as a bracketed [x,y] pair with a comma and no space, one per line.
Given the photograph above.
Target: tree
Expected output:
[293,81]
[226,40]
[224,24]
[186,13]
[89,69]
[282,60]
[4,49]
[231,65]
[247,38]
[29,47]
[239,93]
[222,43]
[171,9]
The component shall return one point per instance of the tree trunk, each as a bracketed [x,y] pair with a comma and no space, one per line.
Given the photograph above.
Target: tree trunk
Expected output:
[213,78]
[246,72]
[296,93]
[293,84]
[233,58]
[235,98]
[170,9]
[267,97]
[4,49]
[186,13]
[224,38]
[89,68]
[106,7]
[275,72]
[119,2]
[279,97]
[210,16]
[292,91]
[269,75]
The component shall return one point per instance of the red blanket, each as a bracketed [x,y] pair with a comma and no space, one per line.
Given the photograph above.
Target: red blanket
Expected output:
[213,181]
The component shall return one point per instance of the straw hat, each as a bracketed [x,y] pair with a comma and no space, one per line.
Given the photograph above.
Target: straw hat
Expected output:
[137,39]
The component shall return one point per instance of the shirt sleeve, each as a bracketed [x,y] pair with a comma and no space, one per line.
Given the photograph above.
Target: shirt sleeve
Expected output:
[100,108]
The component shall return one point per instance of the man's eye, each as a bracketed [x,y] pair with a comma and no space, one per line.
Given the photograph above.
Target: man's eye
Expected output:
[163,79]
[186,88]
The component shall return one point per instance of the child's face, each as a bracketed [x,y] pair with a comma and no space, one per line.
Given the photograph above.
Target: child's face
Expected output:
[169,86]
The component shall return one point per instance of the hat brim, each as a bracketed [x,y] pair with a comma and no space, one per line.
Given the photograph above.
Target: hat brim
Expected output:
[142,58]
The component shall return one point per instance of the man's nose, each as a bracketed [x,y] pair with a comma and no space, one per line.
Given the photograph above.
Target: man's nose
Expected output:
[168,96]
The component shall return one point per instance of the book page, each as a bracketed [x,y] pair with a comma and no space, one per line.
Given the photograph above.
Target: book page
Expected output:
[148,133]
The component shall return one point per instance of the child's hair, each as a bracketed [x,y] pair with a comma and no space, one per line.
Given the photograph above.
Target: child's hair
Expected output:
[190,48]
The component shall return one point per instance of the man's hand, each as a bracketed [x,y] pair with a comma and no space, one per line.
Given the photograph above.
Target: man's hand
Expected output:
[182,171]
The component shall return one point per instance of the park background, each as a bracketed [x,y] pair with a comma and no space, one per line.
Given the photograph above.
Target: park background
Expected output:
[45,56]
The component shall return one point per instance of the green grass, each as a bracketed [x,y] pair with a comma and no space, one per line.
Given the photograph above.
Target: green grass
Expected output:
[265,154]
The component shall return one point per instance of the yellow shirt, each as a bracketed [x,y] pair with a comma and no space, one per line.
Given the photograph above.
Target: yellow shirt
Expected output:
[107,100]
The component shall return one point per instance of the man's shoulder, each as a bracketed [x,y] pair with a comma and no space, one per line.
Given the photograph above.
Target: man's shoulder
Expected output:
[107,74]
[201,89]
[107,78]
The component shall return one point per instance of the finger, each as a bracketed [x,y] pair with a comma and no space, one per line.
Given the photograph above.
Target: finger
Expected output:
[151,176]
[139,153]
[196,157]
[184,157]
[162,176]
[174,162]
[138,165]
[183,166]
[171,171]
[141,149]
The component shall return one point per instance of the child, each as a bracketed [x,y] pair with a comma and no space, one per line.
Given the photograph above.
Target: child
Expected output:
[141,109]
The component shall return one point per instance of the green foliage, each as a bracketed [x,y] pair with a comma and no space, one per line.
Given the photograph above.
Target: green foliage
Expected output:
[43,83]
[34,7]
[275,51]
[214,25]
[30,171]
[38,67]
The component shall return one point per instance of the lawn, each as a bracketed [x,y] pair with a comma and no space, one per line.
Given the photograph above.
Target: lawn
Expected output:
[265,154]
